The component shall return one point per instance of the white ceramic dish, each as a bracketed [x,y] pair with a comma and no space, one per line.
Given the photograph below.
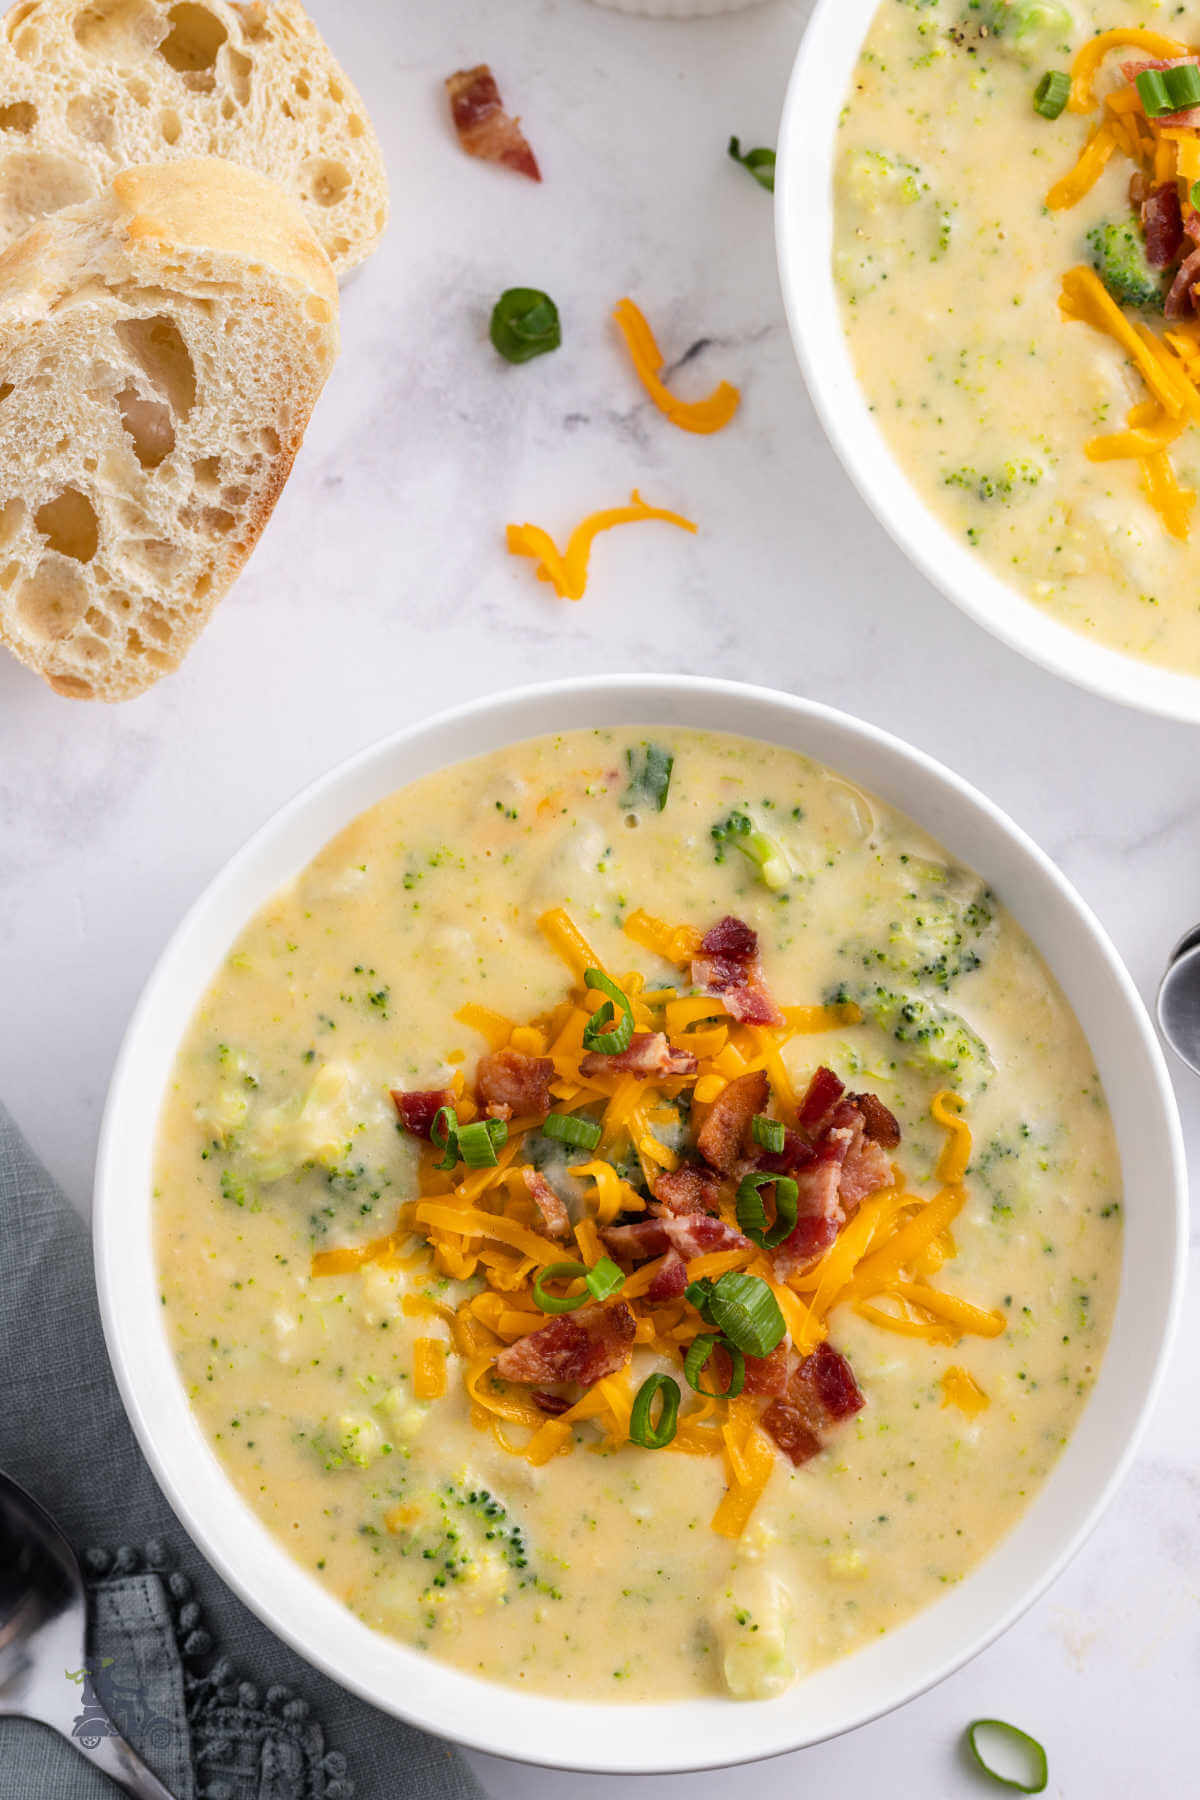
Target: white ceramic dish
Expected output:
[804,235]
[696,1734]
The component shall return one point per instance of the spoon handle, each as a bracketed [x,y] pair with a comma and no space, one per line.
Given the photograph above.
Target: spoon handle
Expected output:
[122,1764]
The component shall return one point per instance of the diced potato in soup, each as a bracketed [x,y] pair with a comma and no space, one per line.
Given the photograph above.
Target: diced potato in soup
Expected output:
[1018,298]
[829,1088]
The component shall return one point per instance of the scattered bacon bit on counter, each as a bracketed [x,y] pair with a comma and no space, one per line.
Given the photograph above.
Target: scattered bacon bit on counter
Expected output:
[418,1110]
[728,965]
[821,1392]
[552,1207]
[690,1188]
[582,1346]
[507,1078]
[724,1137]
[649,1054]
[484,128]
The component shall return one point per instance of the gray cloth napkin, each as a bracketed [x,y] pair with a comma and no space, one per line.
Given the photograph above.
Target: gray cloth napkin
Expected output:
[218,1707]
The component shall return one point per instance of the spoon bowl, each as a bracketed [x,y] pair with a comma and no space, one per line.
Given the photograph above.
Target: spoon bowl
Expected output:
[1179,1000]
[43,1638]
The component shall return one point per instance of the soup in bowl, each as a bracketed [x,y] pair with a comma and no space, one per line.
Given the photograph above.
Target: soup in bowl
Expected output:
[637,1223]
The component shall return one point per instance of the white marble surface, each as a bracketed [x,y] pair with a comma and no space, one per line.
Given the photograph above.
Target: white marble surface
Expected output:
[382,592]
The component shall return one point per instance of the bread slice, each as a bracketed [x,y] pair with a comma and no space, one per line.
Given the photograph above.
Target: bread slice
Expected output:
[161,349]
[90,87]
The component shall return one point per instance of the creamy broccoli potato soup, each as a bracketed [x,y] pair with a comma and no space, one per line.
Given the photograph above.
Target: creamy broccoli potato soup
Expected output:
[1016,256]
[635,1218]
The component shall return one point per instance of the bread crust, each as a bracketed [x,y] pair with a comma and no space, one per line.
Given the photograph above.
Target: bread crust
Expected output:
[161,350]
[88,87]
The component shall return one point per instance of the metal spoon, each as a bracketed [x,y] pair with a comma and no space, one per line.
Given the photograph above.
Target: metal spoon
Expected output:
[1179,1000]
[43,1635]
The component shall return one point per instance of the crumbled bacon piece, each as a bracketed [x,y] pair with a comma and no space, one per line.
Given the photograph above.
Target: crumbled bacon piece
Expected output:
[649,1054]
[484,128]
[847,1164]
[670,1281]
[822,1391]
[509,1079]
[797,1153]
[1181,295]
[552,1207]
[879,1123]
[766,1376]
[417,1110]
[728,965]
[1162,225]
[689,1234]
[819,1215]
[691,1188]
[724,1137]
[554,1404]
[865,1170]
[821,1096]
[582,1346]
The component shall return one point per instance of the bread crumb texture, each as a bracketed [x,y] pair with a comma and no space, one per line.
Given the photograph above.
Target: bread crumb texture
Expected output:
[89,87]
[161,350]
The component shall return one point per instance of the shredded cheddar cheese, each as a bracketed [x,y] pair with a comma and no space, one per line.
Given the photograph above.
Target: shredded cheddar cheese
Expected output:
[960,1388]
[702,416]
[567,572]
[482,1228]
[1086,65]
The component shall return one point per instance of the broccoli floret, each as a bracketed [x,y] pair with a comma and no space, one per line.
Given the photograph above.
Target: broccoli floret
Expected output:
[1030,27]
[738,831]
[941,922]
[1006,485]
[1119,258]
[936,1040]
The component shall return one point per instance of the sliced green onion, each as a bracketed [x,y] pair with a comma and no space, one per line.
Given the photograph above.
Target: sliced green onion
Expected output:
[746,1312]
[699,1351]
[608,1043]
[445,1122]
[1196,195]
[524,324]
[768,857]
[641,1431]
[699,1295]
[569,1128]
[1028,1747]
[770,1133]
[1051,93]
[760,163]
[561,1271]
[605,1279]
[751,1214]
[1153,91]
[479,1142]
[650,767]
[1183,86]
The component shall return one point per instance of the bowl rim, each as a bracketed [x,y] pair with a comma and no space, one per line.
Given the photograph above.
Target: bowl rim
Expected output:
[804,205]
[655,1737]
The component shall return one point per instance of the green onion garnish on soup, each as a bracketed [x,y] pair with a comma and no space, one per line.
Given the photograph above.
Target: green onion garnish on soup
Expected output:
[1051,93]
[658,1435]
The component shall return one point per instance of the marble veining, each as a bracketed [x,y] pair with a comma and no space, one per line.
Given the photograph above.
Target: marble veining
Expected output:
[382,592]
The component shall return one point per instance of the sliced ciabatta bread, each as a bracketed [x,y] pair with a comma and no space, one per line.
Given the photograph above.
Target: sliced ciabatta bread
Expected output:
[161,349]
[90,87]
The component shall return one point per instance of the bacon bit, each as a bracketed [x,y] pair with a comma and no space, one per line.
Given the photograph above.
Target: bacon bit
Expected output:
[724,1136]
[865,1170]
[508,1078]
[822,1392]
[797,1153]
[691,1188]
[1181,295]
[702,416]
[822,1095]
[553,1209]
[766,1376]
[649,1053]
[880,1125]
[819,1214]
[568,572]
[582,1346]
[484,128]
[554,1404]
[670,1282]
[1162,225]
[728,964]
[418,1109]
[689,1235]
